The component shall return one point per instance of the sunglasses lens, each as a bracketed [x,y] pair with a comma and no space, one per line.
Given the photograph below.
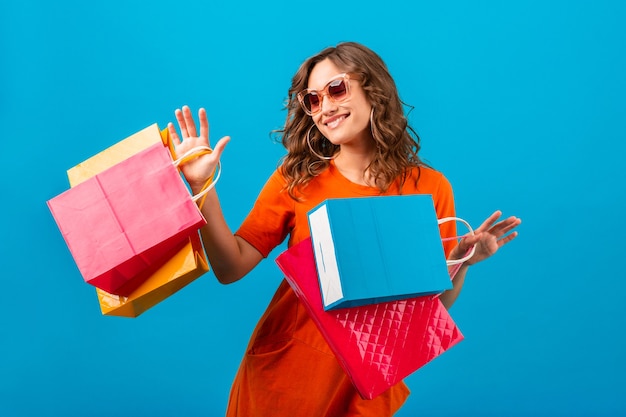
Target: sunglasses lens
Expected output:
[337,90]
[312,102]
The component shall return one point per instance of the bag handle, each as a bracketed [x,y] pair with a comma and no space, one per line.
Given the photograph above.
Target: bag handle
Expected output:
[211,181]
[470,253]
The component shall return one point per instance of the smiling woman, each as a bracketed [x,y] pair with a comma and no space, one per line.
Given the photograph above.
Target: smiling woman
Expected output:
[346,136]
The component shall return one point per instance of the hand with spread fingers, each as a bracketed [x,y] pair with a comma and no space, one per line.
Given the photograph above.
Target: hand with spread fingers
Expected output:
[488,238]
[198,170]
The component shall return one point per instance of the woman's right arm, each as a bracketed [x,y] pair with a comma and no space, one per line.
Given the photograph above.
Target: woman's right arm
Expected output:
[230,256]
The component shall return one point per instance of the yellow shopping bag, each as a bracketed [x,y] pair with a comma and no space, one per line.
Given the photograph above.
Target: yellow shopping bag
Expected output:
[179,271]
[117,153]
[184,267]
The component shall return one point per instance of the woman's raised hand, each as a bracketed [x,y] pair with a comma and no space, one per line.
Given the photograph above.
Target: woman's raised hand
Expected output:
[488,238]
[198,170]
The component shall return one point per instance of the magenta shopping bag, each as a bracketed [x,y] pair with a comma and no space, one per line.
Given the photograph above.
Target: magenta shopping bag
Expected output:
[127,220]
[377,345]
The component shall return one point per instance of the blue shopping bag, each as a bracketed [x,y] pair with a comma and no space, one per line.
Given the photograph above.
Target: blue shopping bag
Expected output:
[377,249]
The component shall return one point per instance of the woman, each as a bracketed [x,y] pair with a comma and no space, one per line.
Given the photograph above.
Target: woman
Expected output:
[346,135]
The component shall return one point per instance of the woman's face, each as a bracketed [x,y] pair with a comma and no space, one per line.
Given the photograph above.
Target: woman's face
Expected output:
[346,123]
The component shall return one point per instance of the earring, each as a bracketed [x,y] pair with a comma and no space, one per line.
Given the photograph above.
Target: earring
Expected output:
[314,168]
[372,122]
[308,141]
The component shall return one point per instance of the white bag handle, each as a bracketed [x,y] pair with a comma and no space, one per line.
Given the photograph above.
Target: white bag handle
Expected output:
[471,232]
[201,150]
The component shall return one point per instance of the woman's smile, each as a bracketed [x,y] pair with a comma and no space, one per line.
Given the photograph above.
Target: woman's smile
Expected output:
[334,121]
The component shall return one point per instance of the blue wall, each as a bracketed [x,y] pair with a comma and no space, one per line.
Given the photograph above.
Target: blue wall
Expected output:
[521,105]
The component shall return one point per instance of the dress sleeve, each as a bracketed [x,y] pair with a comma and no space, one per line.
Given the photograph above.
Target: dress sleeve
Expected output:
[444,206]
[271,218]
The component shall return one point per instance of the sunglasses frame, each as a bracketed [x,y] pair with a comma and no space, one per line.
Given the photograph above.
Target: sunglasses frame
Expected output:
[325,93]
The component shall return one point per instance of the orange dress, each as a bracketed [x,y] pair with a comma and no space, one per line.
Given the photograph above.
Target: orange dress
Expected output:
[288,369]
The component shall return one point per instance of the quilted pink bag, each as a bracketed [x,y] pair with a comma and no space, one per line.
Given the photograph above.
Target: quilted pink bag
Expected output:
[377,345]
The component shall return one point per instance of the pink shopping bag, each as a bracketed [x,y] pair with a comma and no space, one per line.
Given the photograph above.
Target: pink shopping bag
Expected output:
[377,345]
[127,220]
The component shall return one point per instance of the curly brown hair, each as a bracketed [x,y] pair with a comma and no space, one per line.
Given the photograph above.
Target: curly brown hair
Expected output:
[397,144]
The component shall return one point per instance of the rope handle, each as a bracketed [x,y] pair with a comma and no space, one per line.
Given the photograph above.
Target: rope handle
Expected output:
[469,253]
[211,181]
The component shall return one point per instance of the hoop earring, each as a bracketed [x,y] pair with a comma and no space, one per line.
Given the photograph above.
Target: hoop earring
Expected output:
[313,167]
[308,142]
[372,122]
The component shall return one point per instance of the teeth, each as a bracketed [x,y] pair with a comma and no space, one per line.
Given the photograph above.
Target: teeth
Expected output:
[335,122]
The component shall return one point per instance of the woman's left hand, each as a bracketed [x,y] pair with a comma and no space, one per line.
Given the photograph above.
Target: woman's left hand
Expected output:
[488,238]
[199,170]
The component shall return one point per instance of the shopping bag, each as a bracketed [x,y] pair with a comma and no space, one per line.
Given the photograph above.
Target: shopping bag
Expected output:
[118,152]
[377,345]
[178,271]
[127,219]
[187,265]
[112,156]
[374,249]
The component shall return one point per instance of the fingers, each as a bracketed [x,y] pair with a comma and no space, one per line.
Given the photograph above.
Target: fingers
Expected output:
[509,224]
[204,124]
[504,227]
[186,123]
[220,145]
[506,239]
[489,222]
[190,125]
[490,236]
[182,124]
[499,228]
[173,134]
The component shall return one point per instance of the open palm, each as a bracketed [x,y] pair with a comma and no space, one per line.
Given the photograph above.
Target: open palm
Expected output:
[488,238]
[196,171]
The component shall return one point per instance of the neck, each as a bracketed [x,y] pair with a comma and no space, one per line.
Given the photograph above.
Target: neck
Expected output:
[353,163]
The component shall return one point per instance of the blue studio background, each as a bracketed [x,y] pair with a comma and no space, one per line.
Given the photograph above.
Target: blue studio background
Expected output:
[520,104]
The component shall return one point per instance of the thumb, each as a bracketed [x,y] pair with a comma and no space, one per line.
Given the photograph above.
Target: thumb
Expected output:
[221,145]
[470,240]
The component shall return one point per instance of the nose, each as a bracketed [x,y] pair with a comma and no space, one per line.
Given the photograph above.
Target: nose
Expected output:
[326,104]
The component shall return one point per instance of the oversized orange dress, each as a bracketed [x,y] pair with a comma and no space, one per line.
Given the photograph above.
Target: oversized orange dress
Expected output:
[288,369]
